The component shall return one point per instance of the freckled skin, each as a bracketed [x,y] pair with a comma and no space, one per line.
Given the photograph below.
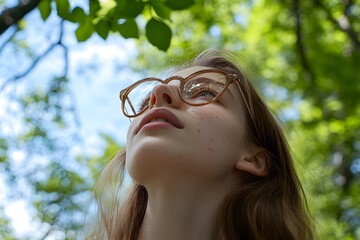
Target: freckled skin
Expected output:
[209,146]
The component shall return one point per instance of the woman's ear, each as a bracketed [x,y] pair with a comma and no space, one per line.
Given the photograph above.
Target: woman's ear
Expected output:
[257,163]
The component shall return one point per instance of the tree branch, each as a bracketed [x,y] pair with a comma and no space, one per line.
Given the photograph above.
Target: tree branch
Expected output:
[66,52]
[10,38]
[300,44]
[37,59]
[13,15]
[347,6]
[30,68]
[342,24]
[51,228]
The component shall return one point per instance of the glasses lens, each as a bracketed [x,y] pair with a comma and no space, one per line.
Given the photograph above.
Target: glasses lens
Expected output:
[202,88]
[138,98]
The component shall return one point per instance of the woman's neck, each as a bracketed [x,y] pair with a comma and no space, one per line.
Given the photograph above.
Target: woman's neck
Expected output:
[183,211]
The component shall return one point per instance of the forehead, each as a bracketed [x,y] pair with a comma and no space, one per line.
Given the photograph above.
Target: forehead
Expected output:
[188,71]
[184,73]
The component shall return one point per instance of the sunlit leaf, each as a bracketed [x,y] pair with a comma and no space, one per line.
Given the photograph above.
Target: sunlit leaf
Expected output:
[106,7]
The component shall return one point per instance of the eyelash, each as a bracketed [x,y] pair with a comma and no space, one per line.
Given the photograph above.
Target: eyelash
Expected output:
[144,103]
[204,89]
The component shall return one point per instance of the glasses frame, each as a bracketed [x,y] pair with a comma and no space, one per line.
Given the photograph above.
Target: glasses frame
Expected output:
[123,95]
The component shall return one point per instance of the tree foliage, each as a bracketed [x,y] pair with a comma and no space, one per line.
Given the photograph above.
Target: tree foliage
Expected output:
[102,18]
[304,56]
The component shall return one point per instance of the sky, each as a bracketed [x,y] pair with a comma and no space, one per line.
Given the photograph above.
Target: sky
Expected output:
[98,71]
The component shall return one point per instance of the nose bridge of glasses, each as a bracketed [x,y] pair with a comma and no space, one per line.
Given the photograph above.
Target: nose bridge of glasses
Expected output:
[168,86]
[173,81]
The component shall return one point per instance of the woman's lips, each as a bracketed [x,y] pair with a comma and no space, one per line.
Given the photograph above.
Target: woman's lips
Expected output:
[161,114]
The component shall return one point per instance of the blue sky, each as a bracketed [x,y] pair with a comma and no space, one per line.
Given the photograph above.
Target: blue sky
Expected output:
[96,80]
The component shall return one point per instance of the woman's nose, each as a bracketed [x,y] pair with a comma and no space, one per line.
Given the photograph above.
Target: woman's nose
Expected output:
[165,95]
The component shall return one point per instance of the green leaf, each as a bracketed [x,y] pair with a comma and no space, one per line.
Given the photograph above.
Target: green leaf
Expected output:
[158,33]
[94,7]
[179,4]
[161,10]
[102,28]
[77,15]
[120,5]
[45,9]
[63,8]
[107,8]
[85,30]
[129,29]
[133,9]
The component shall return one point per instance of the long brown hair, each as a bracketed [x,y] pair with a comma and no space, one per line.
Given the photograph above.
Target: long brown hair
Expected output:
[270,207]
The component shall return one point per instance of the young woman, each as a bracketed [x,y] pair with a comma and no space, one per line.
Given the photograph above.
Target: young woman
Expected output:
[207,160]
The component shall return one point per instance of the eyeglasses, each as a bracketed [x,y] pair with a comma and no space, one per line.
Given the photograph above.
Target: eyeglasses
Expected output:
[198,89]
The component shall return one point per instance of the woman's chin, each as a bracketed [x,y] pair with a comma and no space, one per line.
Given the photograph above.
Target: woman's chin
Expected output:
[147,163]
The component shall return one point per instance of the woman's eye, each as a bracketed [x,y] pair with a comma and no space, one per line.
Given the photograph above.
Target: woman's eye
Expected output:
[144,103]
[204,92]
[202,89]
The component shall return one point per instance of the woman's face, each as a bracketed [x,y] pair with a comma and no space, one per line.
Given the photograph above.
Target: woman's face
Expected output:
[202,142]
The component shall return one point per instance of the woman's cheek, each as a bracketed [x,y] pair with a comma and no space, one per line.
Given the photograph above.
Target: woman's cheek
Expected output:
[210,131]
[131,129]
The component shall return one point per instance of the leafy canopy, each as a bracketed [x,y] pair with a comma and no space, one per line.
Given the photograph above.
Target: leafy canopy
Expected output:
[120,17]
